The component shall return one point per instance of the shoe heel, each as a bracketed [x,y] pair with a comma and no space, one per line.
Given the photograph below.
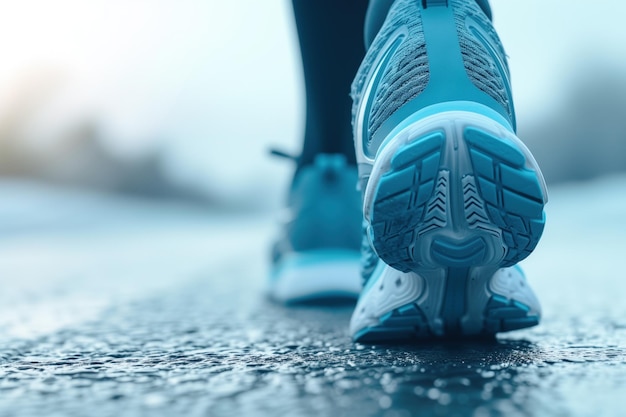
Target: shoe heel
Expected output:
[456,191]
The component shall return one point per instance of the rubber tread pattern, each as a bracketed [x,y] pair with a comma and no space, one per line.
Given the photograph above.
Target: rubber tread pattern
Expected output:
[409,322]
[511,192]
[503,198]
[403,204]
[404,323]
[503,315]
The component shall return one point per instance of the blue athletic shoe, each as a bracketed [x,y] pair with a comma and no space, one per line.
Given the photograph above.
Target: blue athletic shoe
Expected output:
[317,256]
[451,197]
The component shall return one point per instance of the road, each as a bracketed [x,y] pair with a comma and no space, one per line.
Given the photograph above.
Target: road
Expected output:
[114,306]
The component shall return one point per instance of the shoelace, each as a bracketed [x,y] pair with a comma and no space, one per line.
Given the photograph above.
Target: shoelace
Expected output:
[285,155]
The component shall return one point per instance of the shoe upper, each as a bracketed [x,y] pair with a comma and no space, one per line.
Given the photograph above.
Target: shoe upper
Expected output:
[426,52]
[323,209]
[444,52]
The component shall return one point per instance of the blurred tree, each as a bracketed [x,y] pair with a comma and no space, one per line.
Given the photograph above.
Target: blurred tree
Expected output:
[586,136]
[77,155]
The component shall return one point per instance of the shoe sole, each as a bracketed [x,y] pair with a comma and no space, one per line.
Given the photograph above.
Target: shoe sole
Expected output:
[443,304]
[316,276]
[452,198]
[454,190]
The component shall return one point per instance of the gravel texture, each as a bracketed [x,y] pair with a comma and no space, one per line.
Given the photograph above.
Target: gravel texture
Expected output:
[117,307]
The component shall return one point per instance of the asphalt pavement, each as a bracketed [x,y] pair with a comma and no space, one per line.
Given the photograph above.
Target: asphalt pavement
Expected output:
[114,306]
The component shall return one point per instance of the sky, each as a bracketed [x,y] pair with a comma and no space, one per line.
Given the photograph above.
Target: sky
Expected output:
[215,84]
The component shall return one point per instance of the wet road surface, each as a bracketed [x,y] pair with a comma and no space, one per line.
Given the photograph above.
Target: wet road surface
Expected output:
[117,307]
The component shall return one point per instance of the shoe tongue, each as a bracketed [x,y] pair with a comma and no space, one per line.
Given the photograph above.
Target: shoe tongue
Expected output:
[330,165]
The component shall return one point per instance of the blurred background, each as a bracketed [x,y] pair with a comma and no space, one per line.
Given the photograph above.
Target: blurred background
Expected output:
[183,99]
[136,193]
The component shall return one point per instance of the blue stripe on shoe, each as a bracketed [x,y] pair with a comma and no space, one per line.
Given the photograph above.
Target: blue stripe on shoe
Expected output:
[306,259]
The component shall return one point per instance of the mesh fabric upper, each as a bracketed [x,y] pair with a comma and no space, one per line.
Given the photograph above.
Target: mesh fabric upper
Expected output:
[406,76]
[479,64]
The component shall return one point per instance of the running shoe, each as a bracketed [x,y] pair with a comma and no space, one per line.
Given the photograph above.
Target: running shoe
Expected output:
[317,255]
[452,199]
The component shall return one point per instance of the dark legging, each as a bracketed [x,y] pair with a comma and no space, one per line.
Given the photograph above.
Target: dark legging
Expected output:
[331,35]
[331,44]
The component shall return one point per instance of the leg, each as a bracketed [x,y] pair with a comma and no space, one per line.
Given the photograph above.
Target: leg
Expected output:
[331,46]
